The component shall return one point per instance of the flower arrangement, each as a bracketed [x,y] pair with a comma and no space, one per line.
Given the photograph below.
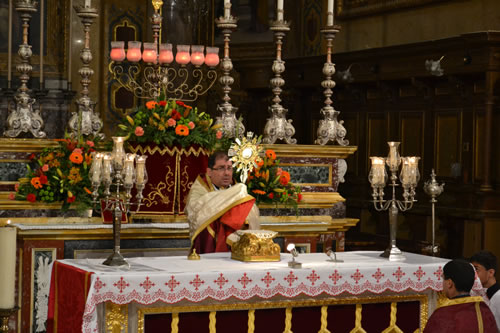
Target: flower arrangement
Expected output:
[60,174]
[169,122]
[270,184]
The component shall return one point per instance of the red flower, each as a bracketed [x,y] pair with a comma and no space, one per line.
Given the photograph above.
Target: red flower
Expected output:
[90,143]
[162,103]
[12,196]
[32,157]
[43,179]
[284,178]
[71,199]
[139,131]
[271,195]
[181,103]
[31,197]
[218,135]
[176,115]
[299,197]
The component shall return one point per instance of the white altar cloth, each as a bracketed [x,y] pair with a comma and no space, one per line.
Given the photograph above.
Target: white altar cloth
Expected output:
[217,277]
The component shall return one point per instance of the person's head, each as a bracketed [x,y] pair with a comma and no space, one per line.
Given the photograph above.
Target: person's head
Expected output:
[458,278]
[485,264]
[220,169]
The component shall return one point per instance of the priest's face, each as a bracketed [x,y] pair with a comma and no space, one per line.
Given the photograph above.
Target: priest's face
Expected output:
[221,173]
[485,275]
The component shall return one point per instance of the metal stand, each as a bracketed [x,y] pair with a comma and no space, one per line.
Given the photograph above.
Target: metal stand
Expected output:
[433,189]
[334,259]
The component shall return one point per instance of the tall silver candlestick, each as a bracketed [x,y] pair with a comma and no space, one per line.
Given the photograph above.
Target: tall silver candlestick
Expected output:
[409,177]
[231,125]
[433,189]
[278,127]
[330,129]
[24,118]
[85,121]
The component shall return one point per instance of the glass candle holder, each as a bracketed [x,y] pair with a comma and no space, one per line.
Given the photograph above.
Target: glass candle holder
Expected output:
[393,159]
[134,51]
[166,55]
[378,174]
[197,56]
[95,168]
[149,54]
[118,153]
[182,57]
[117,51]
[140,169]
[128,170]
[212,57]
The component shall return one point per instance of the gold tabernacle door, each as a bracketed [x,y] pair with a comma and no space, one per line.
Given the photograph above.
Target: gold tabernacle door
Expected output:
[256,245]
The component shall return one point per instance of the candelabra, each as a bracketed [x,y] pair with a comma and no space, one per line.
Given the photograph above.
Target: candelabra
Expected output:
[433,189]
[4,318]
[231,126]
[85,121]
[158,76]
[278,127]
[116,169]
[24,118]
[330,129]
[409,178]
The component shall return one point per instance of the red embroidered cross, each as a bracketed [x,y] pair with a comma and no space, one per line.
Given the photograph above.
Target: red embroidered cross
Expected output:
[172,283]
[357,276]
[147,284]
[291,278]
[98,285]
[197,282]
[398,274]
[378,275]
[335,277]
[268,279]
[439,273]
[121,284]
[221,281]
[313,277]
[419,273]
[244,280]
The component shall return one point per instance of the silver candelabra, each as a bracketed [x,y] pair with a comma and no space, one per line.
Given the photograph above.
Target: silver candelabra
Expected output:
[433,189]
[409,178]
[85,121]
[24,117]
[116,170]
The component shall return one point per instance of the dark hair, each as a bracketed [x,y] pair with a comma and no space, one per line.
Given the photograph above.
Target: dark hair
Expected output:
[215,156]
[486,259]
[461,273]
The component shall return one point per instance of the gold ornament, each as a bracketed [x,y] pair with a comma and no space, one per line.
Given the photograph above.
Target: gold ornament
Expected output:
[256,245]
[245,154]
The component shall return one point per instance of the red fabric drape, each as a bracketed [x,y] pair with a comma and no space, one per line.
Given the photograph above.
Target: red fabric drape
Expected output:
[66,308]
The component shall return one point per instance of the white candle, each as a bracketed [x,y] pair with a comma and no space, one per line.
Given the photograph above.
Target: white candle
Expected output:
[280,10]
[129,169]
[140,169]
[106,168]
[378,171]
[329,21]
[7,267]
[87,3]
[227,9]
[96,168]
[118,151]
[393,159]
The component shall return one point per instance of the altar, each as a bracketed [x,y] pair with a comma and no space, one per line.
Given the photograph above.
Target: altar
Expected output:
[217,294]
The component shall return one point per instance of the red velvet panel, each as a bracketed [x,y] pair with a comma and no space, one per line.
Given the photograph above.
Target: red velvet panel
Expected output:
[196,322]
[406,320]
[341,318]
[305,320]
[376,316]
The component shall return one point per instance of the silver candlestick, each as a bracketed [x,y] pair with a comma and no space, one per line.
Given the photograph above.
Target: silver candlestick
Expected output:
[278,127]
[409,178]
[117,170]
[85,121]
[231,126]
[433,189]
[330,129]
[24,118]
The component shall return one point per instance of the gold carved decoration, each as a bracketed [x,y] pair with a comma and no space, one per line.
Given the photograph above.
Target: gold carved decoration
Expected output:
[288,321]
[174,326]
[251,321]
[116,318]
[157,192]
[211,324]
[324,320]
[245,153]
[393,328]
[357,326]
[256,245]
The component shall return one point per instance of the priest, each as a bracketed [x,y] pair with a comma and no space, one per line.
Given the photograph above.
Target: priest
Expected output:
[460,312]
[216,207]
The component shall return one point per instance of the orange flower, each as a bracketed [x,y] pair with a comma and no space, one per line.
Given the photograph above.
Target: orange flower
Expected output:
[35,181]
[76,158]
[271,154]
[87,190]
[151,105]
[74,175]
[182,130]
[284,178]
[260,162]
[88,159]
[259,192]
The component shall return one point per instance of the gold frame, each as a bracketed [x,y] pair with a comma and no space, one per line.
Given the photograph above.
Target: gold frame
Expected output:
[345,10]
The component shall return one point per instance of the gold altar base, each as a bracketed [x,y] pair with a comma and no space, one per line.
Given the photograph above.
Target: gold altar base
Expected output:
[256,246]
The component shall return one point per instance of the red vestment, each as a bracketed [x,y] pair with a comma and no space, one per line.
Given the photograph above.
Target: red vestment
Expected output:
[465,314]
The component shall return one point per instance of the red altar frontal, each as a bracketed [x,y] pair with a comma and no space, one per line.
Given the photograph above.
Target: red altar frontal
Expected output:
[217,294]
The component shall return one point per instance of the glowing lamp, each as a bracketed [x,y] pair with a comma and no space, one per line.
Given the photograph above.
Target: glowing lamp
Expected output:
[212,58]
[149,54]
[166,55]
[117,51]
[182,57]
[197,56]
[134,51]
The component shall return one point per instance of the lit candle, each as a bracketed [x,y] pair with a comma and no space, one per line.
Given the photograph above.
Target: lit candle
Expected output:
[134,51]
[212,58]
[87,3]
[280,10]
[95,169]
[377,172]
[413,170]
[166,55]
[117,51]
[149,54]
[393,159]
[329,20]
[227,9]
[197,57]
[107,168]
[182,57]
[118,152]
[140,169]
[8,266]
[128,169]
